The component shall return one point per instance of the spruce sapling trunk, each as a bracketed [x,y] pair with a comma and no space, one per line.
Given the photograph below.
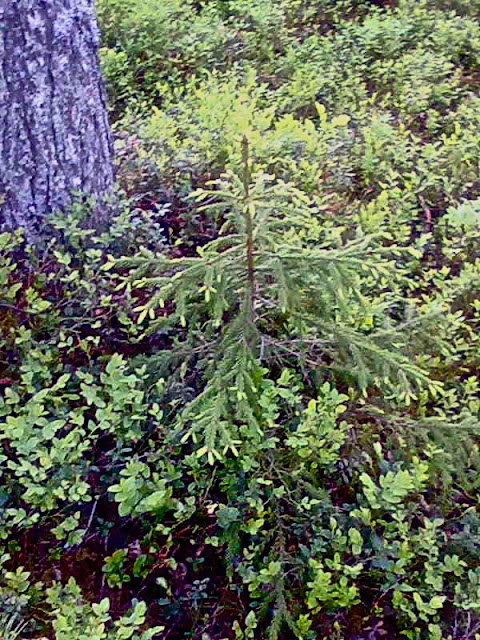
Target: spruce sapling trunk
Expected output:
[251,286]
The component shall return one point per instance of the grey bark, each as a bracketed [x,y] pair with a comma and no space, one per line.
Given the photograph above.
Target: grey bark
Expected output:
[54,131]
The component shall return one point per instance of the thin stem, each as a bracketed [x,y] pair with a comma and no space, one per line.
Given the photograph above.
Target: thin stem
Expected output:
[250,299]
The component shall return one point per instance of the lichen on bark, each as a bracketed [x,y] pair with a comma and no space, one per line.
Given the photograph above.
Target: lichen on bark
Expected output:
[54,132]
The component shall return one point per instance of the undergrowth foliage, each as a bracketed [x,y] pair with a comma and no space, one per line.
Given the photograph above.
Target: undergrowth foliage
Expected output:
[249,408]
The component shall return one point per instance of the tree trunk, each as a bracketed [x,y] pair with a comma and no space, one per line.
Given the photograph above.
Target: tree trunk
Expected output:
[54,132]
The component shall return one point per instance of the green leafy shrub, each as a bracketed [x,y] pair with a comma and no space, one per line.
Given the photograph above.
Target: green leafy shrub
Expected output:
[77,620]
[151,45]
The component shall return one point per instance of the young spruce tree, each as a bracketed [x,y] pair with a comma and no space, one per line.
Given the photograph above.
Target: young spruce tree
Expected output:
[269,290]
